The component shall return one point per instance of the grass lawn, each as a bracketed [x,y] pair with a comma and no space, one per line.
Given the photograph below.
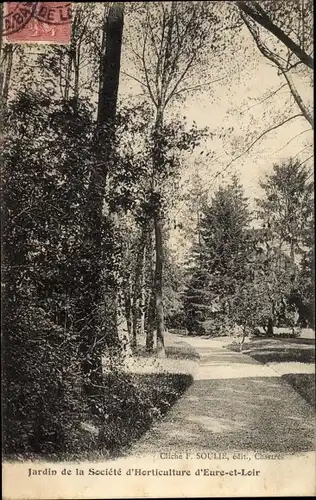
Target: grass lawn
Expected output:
[304,384]
[292,359]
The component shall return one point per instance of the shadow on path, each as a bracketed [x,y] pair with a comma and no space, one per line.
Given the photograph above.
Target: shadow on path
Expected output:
[235,404]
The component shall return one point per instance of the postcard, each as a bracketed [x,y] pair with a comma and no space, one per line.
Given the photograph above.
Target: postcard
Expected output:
[158,321]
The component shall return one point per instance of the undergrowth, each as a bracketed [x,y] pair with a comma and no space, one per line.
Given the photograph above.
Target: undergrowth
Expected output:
[112,419]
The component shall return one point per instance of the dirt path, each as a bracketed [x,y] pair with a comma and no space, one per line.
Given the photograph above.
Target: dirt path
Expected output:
[235,404]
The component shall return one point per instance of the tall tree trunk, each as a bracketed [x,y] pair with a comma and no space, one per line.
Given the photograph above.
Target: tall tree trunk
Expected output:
[95,296]
[158,282]
[270,327]
[138,286]
[128,306]
[142,305]
[151,306]
[158,223]
[110,64]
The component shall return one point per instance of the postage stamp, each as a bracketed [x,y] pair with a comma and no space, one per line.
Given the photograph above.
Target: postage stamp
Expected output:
[37,22]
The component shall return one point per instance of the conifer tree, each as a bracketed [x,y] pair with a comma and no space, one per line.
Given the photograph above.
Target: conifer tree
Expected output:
[220,259]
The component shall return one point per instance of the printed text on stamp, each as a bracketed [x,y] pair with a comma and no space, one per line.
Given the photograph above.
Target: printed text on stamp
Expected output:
[48,22]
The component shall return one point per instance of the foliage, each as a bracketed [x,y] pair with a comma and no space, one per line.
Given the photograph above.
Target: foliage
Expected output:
[130,403]
[287,208]
[170,42]
[286,211]
[43,233]
[254,276]
[71,180]
[219,259]
[49,154]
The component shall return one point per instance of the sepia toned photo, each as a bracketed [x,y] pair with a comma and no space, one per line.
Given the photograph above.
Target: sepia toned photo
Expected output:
[158,266]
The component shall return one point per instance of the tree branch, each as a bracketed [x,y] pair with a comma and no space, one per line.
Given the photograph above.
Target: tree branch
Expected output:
[260,137]
[134,78]
[274,58]
[146,71]
[298,99]
[297,135]
[301,151]
[260,16]
[311,156]
[195,87]
[180,79]
[265,98]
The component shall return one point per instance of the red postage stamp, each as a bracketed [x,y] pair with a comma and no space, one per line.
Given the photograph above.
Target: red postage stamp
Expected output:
[39,22]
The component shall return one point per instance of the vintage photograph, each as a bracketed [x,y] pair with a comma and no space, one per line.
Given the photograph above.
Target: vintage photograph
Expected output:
[158,266]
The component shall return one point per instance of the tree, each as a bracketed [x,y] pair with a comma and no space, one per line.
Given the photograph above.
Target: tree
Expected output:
[274,256]
[286,214]
[283,34]
[104,143]
[275,19]
[133,201]
[175,141]
[263,295]
[48,150]
[284,62]
[286,208]
[74,68]
[171,43]
[220,260]
[134,266]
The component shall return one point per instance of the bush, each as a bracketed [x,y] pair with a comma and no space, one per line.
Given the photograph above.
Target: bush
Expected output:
[43,403]
[130,402]
[49,416]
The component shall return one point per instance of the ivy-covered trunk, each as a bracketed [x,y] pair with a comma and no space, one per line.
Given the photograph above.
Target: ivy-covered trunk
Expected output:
[100,297]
